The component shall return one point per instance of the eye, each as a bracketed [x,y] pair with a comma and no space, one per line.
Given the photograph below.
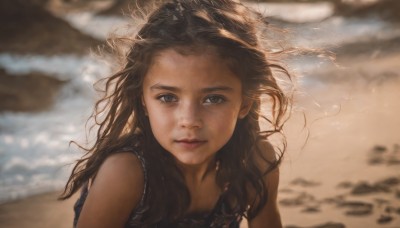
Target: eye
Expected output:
[214,99]
[167,98]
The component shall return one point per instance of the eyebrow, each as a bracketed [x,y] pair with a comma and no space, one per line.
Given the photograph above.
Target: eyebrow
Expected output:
[205,90]
[217,88]
[164,87]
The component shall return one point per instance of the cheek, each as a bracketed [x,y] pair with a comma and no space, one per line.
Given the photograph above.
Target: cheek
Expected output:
[157,120]
[160,122]
[225,122]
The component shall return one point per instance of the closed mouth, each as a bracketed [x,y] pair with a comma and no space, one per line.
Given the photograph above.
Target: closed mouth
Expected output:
[190,144]
[190,141]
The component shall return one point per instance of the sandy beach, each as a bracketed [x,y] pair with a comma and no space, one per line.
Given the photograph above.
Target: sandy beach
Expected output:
[341,168]
[345,175]
[38,211]
[347,172]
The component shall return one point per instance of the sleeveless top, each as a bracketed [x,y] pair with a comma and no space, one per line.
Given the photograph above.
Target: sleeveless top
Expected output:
[222,216]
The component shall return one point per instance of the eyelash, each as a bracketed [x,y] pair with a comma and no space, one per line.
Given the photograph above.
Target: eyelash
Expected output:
[221,99]
[218,99]
[162,97]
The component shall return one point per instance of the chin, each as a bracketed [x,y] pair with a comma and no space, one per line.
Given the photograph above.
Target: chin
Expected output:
[185,160]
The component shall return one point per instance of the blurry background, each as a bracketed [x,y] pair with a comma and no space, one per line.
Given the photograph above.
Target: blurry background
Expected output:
[340,170]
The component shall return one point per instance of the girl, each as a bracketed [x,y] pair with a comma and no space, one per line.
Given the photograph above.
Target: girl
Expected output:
[180,144]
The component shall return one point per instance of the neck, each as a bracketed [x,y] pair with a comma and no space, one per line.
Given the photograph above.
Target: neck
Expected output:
[196,174]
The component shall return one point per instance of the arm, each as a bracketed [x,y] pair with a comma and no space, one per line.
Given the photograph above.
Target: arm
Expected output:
[269,216]
[115,192]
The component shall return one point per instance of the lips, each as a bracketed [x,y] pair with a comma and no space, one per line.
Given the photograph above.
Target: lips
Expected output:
[190,143]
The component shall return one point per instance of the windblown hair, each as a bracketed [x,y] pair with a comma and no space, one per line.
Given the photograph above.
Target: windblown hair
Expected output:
[233,31]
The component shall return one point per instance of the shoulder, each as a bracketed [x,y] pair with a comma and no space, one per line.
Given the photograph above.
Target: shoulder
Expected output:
[269,215]
[265,156]
[122,163]
[122,169]
[115,192]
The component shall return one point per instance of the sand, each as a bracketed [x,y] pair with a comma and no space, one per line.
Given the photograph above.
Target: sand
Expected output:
[347,171]
[344,175]
[38,211]
[340,170]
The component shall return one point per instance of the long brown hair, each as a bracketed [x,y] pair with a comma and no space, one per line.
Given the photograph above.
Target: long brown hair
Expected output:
[233,30]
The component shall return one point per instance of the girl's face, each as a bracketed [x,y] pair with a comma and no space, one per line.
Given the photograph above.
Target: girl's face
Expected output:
[193,103]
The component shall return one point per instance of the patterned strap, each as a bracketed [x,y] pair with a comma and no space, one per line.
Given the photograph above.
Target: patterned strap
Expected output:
[85,190]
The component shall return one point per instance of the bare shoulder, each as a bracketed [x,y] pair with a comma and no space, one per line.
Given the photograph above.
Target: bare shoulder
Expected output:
[123,163]
[269,215]
[265,155]
[115,192]
[122,170]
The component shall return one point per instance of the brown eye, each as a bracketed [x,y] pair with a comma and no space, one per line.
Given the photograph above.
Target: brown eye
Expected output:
[214,99]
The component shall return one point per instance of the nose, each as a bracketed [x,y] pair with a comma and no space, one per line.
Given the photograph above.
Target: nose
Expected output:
[190,116]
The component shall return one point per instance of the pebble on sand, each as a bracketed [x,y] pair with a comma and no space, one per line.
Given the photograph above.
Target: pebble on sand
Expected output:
[357,208]
[384,219]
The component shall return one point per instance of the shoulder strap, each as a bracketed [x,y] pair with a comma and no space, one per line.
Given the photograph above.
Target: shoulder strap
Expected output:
[137,213]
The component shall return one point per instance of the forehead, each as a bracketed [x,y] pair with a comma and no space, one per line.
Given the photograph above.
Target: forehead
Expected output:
[194,66]
[186,53]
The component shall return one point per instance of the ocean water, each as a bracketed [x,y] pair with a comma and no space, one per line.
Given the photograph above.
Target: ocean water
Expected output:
[35,155]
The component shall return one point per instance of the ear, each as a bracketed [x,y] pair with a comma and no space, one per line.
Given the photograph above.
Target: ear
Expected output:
[144,106]
[245,107]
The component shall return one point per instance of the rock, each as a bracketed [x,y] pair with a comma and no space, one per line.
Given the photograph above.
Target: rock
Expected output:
[383,186]
[304,183]
[30,92]
[379,149]
[388,182]
[365,188]
[28,28]
[381,154]
[311,209]
[357,208]
[384,219]
[299,200]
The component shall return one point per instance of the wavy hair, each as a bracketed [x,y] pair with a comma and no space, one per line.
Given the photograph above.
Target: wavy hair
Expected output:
[234,31]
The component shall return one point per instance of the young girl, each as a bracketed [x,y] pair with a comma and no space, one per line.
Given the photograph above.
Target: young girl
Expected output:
[180,144]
